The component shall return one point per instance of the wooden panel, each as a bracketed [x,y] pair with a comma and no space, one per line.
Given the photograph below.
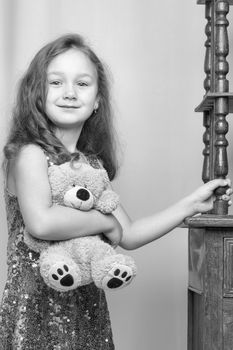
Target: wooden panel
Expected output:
[213,290]
[228,267]
[195,321]
[228,323]
[196,259]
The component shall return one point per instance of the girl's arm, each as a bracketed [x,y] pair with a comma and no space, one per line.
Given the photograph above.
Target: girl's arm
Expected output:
[28,179]
[143,231]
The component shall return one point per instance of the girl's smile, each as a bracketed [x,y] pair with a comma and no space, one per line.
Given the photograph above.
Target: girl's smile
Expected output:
[71,90]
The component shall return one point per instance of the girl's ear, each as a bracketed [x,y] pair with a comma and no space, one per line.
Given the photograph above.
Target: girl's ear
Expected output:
[96,105]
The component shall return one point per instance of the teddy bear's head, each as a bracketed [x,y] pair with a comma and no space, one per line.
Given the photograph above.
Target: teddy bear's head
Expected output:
[82,187]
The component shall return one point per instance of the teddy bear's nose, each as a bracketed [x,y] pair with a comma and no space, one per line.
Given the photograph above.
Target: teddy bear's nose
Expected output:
[83,194]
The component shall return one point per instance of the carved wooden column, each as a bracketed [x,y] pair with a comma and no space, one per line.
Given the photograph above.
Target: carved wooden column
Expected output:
[210,291]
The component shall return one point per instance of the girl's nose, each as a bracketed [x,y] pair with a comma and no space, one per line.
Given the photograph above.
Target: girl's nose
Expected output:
[70,94]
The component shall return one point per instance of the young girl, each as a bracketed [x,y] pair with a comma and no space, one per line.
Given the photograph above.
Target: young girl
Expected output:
[63,111]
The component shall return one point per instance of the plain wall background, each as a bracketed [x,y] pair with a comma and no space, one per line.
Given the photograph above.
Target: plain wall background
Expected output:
[155,51]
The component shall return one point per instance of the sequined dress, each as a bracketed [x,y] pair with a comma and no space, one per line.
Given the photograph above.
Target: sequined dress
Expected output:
[36,317]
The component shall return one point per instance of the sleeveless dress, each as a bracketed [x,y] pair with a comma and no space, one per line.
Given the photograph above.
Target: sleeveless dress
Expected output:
[36,317]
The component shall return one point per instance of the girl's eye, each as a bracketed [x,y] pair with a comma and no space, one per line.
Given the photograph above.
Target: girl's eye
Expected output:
[82,83]
[55,82]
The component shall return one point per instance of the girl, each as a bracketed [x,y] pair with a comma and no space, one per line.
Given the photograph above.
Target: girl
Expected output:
[63,112]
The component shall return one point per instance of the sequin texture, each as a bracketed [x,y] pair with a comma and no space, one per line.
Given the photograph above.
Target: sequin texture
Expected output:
[35,317]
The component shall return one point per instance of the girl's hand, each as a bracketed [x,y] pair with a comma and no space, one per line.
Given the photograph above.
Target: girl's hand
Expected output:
[203,198]
[115,234]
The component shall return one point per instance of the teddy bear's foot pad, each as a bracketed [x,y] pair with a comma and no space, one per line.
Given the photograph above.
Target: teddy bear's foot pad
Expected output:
[67,280]
[118,277]
[63,278]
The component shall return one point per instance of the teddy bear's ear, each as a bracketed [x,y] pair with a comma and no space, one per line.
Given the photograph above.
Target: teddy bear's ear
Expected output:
[105,177]
[58,179]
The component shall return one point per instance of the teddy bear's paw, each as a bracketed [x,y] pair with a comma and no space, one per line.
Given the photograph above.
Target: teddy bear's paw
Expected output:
[118,277]
[63,277]
[108,202]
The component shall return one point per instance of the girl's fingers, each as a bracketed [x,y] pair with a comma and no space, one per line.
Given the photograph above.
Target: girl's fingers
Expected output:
[229,191]
[225,197]
[228,182]
[213,184]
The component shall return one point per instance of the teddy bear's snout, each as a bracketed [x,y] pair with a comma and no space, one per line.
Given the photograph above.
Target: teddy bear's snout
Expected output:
[79,197]
[83,194]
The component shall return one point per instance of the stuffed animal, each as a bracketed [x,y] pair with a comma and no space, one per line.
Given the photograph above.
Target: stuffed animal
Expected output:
[66,265]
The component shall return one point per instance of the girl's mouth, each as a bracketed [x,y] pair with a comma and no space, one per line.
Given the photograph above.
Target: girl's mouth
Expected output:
[68,106]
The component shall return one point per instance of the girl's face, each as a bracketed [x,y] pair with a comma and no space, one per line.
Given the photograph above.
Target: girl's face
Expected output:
[72,90]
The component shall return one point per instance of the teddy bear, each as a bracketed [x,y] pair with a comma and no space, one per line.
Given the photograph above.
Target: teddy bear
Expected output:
[66,265]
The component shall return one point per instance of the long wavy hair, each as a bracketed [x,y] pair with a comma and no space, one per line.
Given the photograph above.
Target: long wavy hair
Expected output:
[30,124]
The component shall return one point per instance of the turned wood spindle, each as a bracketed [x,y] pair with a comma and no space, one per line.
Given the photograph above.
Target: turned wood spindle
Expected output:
[207,64]
[221,104]
[206,151]
[207,86]
[221,46]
